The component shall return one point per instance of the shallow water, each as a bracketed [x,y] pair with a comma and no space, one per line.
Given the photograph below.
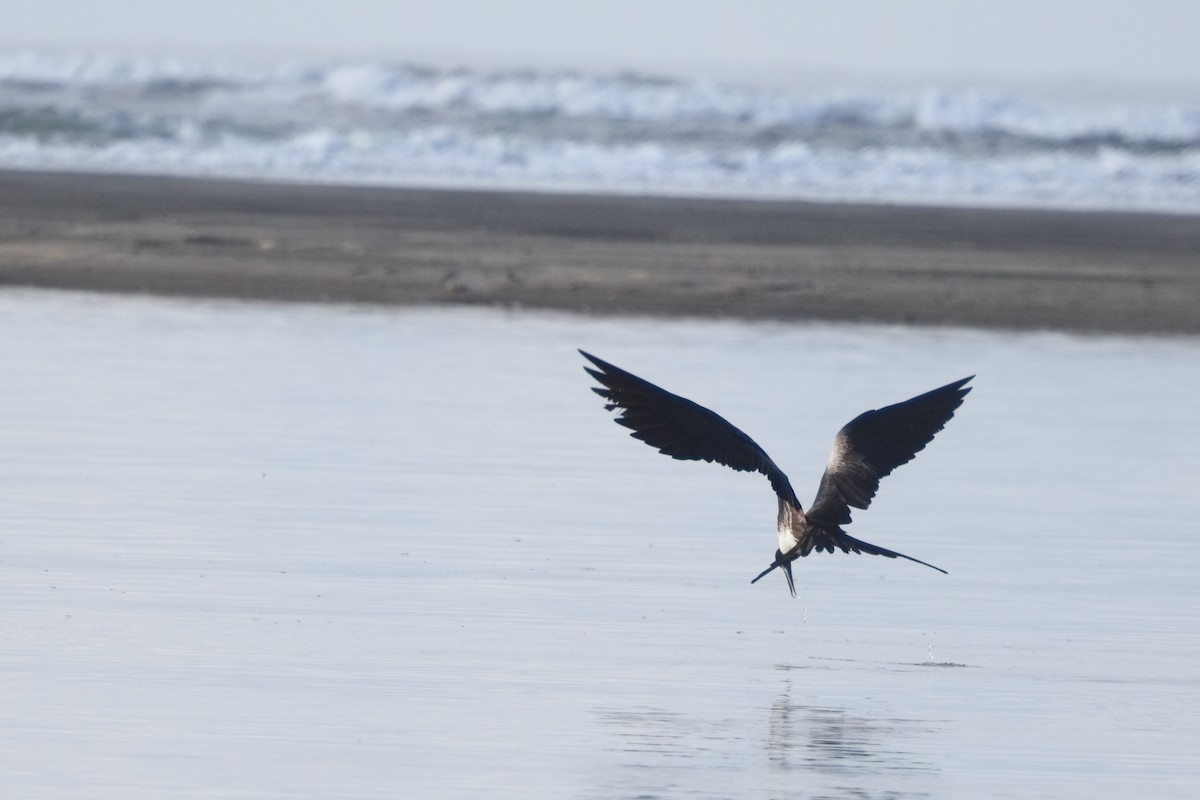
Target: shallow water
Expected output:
[321,551]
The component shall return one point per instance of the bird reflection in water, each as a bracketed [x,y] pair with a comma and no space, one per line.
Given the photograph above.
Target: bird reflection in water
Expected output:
[834,743]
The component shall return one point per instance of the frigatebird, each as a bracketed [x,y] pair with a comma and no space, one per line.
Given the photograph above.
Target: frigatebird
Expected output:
[865,450]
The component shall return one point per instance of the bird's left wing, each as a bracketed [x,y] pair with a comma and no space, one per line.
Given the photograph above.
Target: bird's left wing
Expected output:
[874,443]
[680,428]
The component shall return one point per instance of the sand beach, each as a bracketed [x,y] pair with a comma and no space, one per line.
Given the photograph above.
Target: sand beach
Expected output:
[602,254]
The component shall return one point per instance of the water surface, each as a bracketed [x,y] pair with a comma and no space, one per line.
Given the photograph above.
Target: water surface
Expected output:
[322,551]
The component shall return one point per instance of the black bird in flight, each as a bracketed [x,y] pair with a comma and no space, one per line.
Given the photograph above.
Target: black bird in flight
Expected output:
[866,450]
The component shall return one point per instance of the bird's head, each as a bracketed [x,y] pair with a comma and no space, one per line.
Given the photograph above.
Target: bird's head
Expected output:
[786,563]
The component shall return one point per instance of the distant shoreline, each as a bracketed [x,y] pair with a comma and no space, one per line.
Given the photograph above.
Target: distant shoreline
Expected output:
[602,254]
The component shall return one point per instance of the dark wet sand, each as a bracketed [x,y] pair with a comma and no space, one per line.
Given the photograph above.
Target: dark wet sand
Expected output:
[1113,272]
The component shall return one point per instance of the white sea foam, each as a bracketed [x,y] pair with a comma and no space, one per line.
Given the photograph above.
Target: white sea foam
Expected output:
[381,123]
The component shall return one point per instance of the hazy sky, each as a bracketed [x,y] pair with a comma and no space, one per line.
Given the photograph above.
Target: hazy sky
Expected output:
[780,40]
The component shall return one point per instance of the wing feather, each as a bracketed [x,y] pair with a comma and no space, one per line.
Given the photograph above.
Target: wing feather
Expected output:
[681,428]
[874,443]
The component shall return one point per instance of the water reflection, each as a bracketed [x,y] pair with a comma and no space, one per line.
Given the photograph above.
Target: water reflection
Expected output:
[813,749]
[656,752]
[831,742]
[652,733]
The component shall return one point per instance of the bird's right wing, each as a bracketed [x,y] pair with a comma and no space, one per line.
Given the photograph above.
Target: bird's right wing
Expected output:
[874,443]
[680,428]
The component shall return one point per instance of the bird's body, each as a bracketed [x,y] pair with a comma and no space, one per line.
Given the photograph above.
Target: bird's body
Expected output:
[865,450]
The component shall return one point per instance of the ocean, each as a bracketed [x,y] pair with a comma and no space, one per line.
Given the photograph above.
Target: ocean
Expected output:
[380,123]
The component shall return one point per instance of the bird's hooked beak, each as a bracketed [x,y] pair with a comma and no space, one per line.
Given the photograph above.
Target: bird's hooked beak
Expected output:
[787,570]
[786,563]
